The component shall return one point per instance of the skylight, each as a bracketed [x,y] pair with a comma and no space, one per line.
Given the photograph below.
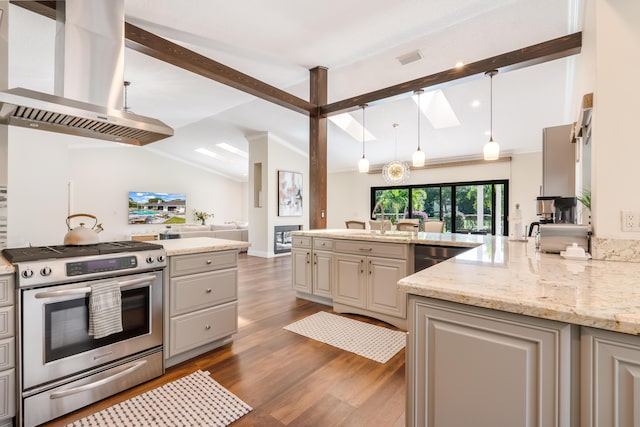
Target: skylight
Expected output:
[234,150]
[347,123]
[437,109]
[211,154]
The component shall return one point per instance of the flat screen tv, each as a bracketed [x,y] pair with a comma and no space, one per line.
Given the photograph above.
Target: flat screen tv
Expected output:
[157,208]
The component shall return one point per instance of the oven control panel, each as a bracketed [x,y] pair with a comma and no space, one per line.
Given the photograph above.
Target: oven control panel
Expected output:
[102,265]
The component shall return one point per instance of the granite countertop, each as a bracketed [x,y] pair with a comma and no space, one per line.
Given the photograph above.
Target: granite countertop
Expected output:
[5,266]
[193,245]
[514,277]
[421,238]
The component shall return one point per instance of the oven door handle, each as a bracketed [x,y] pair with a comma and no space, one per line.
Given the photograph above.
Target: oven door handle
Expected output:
[99,383]
[87,289]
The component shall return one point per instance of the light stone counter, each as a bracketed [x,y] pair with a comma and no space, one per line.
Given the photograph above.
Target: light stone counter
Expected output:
[421,238]
[5,266]
[514,277]
[193,245]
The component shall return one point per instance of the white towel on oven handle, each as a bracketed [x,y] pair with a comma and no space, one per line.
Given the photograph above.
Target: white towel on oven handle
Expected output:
[105,309]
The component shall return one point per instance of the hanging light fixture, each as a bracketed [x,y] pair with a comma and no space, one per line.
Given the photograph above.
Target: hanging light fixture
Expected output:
[396,172]
[363,164]
[491,148]
[418,156]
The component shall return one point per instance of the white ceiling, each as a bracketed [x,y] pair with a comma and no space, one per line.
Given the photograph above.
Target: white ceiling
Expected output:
[358,41]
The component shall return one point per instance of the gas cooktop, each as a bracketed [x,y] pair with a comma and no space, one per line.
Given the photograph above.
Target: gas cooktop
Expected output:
[37,253]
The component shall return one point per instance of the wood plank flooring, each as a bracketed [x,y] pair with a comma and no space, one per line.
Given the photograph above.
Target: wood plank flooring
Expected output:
[289,380]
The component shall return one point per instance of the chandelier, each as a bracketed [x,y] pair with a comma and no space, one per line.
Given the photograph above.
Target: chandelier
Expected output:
[396,172]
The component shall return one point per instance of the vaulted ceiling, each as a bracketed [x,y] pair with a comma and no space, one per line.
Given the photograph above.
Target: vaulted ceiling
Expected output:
[360,43]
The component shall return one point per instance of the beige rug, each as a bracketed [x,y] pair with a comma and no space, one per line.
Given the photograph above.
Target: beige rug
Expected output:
[194,400]
[370,341]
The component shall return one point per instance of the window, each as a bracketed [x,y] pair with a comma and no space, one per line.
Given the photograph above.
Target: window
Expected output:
[468,207]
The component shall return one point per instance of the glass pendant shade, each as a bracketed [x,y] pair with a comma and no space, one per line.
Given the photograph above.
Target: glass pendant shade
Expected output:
[491,150]
[418,158]
[396,172]
[363,165]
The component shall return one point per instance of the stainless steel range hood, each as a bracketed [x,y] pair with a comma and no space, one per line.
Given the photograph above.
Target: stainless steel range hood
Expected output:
[36,110]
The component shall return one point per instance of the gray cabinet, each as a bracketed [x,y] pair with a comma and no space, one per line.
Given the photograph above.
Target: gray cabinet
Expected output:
[365,280]
[610,379]
[311,268]
[7,350]
[468,366]
[201,292]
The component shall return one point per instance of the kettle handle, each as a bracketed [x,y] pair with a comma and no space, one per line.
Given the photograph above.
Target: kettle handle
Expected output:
[81,214]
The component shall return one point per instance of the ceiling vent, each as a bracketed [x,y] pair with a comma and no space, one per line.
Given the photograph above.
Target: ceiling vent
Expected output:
[410,57]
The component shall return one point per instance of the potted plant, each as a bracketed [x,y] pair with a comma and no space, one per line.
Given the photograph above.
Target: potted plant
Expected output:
[201,216]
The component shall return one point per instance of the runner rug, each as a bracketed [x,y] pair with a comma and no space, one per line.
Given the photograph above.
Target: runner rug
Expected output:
[194,400]
[370,341]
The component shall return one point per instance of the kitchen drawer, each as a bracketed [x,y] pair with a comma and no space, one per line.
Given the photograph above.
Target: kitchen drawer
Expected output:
[7,393]
[386,250]
[302,242]
[6,322]
[322,244]
[179,265]
[7,353]
[197,291]
[202,327]
[6,289]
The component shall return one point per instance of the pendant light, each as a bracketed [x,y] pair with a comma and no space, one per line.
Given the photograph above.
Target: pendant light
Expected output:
[418,156]
[363,164]
[491,148]
[396,172]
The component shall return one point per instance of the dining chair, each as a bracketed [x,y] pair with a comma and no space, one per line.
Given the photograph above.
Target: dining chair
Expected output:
[384,224]
[434,226]
[356,224]
[405,225]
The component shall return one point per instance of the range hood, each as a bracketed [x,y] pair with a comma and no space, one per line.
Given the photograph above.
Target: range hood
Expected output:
[37,110]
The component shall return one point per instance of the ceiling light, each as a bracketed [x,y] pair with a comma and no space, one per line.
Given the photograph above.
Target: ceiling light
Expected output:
[396,172]
[459,64]
[211,154]
[491,148]
[363,164]
[234,150]
[475,103]
[418,156]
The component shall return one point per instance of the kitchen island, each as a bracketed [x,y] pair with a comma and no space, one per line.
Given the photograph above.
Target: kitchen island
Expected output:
[200,295]
[505,335]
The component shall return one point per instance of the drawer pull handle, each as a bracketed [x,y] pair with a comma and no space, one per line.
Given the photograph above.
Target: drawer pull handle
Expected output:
[366,249]
[208,261]
[207,327]
[208,290]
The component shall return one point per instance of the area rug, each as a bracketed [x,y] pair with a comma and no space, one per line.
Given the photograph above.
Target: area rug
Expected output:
[370,341]
[194,400]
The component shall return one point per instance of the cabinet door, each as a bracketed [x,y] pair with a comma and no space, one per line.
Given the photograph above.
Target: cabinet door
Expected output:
[322,267]
[301,270]
[477,367]
[382,286]
[349,280]
[610,379]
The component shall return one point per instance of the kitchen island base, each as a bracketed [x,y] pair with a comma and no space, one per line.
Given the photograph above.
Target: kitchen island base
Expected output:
[474,366]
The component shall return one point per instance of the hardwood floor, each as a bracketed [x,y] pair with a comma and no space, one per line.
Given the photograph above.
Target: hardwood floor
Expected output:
[289,380]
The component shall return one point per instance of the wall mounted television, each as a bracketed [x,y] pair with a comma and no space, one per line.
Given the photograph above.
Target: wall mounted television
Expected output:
[157,208]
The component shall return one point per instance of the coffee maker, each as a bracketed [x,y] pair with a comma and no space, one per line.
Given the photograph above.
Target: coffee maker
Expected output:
[546,210]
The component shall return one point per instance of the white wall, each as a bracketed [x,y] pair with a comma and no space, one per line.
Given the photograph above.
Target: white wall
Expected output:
[274,154]
[41,165]
[616,148]
[348,193]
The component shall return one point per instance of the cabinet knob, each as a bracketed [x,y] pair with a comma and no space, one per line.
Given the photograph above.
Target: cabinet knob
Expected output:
[207,327]
[208,290]
[208,261]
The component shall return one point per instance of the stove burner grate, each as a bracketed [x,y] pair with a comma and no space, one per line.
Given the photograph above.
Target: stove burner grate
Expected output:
[36,253]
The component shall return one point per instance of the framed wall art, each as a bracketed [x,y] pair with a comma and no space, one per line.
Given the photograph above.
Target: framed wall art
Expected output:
[289,193]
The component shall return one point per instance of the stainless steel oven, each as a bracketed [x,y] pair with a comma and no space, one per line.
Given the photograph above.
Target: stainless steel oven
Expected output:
[61,367]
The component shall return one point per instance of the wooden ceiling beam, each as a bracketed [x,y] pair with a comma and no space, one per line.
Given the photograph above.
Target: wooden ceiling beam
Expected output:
[535,54]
